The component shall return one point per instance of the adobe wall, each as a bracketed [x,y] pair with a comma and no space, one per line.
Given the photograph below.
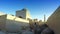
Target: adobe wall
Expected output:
[2,21]
[54,21]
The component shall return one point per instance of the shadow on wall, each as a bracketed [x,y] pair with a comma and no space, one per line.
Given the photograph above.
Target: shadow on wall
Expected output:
[54,21]
[15,26]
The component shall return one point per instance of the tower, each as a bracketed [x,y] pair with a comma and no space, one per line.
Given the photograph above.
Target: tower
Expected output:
[44,18]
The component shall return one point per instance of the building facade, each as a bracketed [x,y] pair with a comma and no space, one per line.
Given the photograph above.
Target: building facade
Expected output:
[12,23]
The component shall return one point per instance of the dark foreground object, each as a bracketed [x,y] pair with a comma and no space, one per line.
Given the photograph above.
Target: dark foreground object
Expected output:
[43,29]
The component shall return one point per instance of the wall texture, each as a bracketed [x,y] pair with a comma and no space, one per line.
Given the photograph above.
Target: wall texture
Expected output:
[2,21]
[14,24]
[54,21]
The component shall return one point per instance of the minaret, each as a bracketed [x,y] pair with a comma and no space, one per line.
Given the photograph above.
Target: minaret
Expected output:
[44,18]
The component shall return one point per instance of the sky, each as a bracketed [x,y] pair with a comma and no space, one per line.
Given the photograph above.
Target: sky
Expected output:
[37,8]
